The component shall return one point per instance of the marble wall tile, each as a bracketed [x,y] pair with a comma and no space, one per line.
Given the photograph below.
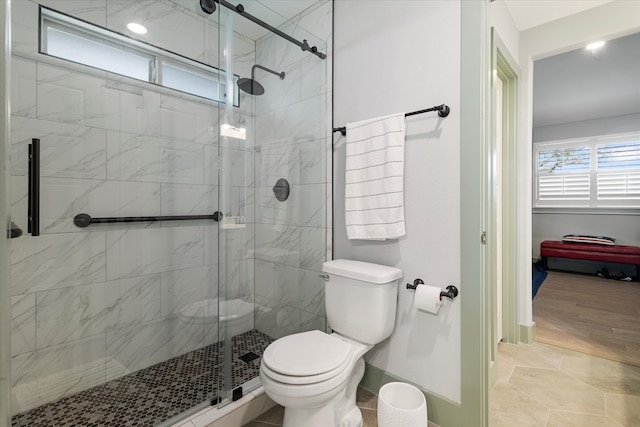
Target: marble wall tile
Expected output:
[237,167]
[265,311]
[318,21]
[265,205]
[154,159]
[139,110]
[287,285]
[210,236]
[265,278]
[236,279]
[188,120]
[183,199]
[182,288]
[312,247]
[237,242]
[65,315]
[311,292]
[23,87]
[139,346]
[266,51]
[54,261]
[61,199]
[304,121]
[288,212]
[288,321]
[313,202]
[313,161]
[94,11]
[279,242]
[136,252]
[23,324]
[211,165]
[66,150]
[24,28]
[72,97]
[287,53]
[168,27]
[313,77]
[278,92]
[275,161]
[49,374]
[311,322]
[265,129]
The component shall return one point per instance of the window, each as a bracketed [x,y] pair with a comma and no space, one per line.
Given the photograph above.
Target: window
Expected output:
[595,173]
[78,41]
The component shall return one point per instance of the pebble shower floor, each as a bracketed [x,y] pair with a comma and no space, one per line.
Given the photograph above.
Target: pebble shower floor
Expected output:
[154,394]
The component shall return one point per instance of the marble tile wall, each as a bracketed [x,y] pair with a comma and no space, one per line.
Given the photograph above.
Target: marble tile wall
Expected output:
[293,141]
[93,304]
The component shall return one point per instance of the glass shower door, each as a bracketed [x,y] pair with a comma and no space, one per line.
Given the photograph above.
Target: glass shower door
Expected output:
[110,300]
[274,143]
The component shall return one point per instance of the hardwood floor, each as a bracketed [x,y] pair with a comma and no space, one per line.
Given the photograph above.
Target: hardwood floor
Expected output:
[591,315]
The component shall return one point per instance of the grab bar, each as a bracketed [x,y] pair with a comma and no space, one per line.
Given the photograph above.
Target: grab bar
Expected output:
[33,202]
[84,220]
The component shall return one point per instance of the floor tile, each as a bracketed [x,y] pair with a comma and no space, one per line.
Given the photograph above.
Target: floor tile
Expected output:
[624,409]
[572,419]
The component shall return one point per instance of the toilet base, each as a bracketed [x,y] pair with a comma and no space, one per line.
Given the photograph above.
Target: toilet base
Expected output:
[340,412]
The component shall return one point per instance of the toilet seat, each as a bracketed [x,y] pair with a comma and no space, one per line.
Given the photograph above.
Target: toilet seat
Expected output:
[306,358]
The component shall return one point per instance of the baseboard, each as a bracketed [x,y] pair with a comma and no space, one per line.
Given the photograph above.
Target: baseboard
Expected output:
[440,410]
[528,333]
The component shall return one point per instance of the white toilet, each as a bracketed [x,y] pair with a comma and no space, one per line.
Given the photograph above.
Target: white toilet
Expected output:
[314,375]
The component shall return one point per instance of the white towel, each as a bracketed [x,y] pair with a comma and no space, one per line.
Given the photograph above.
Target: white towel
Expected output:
[374,208]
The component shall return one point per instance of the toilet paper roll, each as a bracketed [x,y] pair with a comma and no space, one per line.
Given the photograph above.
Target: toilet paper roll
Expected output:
[428,298]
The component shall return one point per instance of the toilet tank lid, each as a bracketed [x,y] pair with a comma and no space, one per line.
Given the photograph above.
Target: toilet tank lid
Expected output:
[364,271]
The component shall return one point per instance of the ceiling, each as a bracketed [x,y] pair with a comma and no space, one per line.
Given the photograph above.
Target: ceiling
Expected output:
[531,13]
[584,85]
[580,85]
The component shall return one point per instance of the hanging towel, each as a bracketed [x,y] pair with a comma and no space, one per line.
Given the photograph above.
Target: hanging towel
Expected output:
[374,208]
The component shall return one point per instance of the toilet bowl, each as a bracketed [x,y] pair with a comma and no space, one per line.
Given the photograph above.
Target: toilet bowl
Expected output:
[310,374]
[315,375]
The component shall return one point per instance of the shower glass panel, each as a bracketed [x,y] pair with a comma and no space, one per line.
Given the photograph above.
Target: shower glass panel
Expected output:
[141,317]
[110,321]
[271,250]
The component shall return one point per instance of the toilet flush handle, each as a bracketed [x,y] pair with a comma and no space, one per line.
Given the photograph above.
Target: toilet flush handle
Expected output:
[324,276]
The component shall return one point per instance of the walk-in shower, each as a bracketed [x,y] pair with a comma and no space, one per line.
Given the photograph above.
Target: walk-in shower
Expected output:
[164,263]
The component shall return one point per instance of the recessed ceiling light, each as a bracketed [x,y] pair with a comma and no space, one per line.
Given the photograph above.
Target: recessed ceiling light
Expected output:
[136,28]
[595,45]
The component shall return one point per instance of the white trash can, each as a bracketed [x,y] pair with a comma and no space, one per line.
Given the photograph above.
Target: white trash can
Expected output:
[401,404]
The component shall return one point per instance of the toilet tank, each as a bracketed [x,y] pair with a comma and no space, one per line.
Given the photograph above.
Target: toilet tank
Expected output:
[360,299]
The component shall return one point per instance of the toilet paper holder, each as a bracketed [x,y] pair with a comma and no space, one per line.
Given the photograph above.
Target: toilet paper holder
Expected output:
[451,291]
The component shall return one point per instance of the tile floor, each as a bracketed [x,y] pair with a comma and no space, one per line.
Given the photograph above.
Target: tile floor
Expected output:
[154,394]
[367,402]
[541,385]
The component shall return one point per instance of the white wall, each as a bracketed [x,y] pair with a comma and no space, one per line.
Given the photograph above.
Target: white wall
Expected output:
[608,21]
[405,56]
[501,20]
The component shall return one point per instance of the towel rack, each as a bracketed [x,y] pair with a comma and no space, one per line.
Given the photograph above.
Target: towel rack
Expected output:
[443,111]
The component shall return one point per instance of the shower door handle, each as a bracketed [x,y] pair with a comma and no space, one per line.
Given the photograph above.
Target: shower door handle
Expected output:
[33,209]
